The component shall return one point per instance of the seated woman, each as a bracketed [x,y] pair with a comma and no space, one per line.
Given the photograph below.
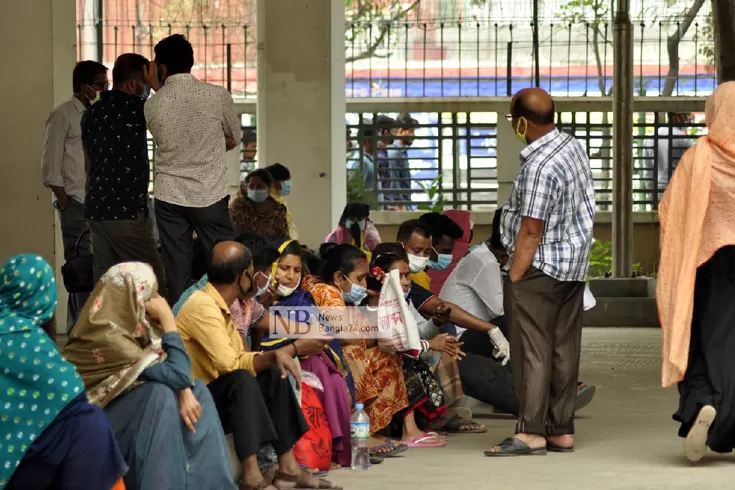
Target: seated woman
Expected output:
[255,211]
[378,375]
[56,433]
[355,228]
[328,365]
[143,381]
[440,354]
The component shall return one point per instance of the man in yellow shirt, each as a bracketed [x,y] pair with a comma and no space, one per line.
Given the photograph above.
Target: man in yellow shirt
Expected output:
[250,389]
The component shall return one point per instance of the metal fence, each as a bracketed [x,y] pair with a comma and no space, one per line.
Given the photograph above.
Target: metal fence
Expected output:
[454,156]
[445,58]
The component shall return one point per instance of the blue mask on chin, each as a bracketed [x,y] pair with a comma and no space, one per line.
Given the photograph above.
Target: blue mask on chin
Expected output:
[356,294]
[286,187]
[349,223]
[257,195]
[442,262]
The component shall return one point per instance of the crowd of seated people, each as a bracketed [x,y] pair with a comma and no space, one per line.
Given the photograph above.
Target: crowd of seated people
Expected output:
[162,366]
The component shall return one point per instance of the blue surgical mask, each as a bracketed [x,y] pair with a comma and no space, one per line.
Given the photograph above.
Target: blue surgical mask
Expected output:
[356,294]
[257,195]
[442,262]
[264,289]
[286,187]
[349,223]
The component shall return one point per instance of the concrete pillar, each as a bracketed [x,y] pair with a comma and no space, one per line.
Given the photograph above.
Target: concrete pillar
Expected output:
[508,157]
[622,235]
[301,106]
[37,38]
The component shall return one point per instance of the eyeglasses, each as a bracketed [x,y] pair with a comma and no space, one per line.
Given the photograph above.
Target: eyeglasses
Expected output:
[103,85]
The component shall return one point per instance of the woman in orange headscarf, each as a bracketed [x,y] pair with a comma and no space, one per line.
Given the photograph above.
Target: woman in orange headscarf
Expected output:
[696,282]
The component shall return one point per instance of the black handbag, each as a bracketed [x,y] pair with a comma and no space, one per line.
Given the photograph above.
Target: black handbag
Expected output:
[77,271]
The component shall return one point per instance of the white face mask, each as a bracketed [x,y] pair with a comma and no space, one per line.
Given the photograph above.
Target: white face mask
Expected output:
[416,263]
[97,96]
[284,291]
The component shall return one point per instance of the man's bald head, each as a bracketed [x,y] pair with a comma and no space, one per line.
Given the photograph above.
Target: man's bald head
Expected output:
[227,261]
[535,104]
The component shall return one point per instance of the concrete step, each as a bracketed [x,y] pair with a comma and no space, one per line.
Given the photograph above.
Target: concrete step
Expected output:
[639,287]
[622,312]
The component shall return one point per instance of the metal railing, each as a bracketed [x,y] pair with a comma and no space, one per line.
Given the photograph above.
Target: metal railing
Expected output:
[454,155]
[446,58]
[456,147]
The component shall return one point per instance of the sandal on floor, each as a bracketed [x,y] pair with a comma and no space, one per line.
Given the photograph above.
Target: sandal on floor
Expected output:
[585,394]
[395,450]
[555,448]
[515,447]
[456,423]
[300,482]
[263,485]
[695,443]
[375,460]
[426,440]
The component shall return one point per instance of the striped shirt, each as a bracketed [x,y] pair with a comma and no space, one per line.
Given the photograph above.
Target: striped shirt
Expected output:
[554,185]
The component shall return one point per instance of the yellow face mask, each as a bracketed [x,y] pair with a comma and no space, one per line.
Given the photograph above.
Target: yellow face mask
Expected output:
[522,135]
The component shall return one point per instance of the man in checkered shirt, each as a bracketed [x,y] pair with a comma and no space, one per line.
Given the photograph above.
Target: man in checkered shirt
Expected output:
[547,229]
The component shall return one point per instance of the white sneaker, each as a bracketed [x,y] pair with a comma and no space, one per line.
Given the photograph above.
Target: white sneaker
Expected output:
[695,443]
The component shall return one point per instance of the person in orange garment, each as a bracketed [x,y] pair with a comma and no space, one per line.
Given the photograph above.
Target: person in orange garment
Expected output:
[696,283]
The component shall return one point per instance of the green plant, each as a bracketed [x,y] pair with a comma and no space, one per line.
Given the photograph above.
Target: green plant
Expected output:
[433,189]
[357,191]
[600,259]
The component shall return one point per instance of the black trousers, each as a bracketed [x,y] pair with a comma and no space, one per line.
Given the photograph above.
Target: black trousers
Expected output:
[258,410]
[479,343]
[710,374]
[176,227]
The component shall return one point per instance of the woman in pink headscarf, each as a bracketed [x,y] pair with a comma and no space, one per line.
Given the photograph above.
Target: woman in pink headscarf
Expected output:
[696,283]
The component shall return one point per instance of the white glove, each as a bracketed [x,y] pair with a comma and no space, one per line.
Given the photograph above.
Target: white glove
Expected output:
[501,347]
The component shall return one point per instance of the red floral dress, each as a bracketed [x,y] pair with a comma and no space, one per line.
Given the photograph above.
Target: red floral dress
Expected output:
[378,375]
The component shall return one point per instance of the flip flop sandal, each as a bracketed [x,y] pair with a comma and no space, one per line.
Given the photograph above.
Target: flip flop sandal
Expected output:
[263,485]
[425,440]
[455,424]
[395,450]
[585,394]
[555,448]
[515,447]
[300,482]
[375,460]
[695,443]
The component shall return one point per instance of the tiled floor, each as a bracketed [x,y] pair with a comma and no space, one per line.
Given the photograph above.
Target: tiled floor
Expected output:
[626,438]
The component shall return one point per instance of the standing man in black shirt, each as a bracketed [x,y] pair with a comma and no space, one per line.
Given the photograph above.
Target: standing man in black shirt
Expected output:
[118,172]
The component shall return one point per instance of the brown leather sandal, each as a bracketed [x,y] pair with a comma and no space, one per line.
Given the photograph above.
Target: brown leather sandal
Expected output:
[301,482]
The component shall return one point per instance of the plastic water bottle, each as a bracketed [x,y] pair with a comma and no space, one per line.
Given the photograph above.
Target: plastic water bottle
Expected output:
[360,434]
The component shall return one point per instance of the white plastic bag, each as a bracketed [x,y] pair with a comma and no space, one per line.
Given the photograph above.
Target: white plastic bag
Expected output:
[398,330]
[589,301]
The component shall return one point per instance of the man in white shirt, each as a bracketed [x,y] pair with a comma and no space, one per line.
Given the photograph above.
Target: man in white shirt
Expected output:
[476,283]
[194,125]
[63,168]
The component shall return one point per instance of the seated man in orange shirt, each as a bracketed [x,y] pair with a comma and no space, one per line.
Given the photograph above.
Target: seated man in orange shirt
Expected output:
[250,389]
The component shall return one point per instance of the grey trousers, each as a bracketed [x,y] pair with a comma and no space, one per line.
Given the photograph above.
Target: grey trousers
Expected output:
[73,225]
[545,320]
[129,240]
[176,227]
